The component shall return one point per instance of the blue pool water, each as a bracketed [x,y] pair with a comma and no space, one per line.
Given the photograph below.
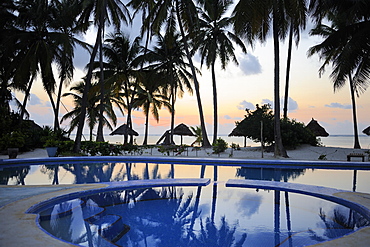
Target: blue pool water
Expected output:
[199,216]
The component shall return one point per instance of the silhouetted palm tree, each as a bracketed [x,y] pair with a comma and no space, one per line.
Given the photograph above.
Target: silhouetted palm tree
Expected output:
[149,97]
[122,61]
[346,48]
[167,59]
[297,21]
[253,20]
[215,40]
[99,10]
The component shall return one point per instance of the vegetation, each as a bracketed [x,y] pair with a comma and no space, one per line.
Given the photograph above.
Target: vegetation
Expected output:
[293,133]
[219,146]
[38,40]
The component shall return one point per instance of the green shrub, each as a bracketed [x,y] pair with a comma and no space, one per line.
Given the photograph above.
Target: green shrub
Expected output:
[219,146]
[293,133]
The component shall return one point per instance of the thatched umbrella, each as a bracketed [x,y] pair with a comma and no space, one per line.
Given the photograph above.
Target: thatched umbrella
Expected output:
[316,128]
[366,131]
[237,132]
[123,130]
[182,130]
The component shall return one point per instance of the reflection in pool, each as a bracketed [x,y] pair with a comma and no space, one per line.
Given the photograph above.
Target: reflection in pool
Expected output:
[213,215]
[80,173]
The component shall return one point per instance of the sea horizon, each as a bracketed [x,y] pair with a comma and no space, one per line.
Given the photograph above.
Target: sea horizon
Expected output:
[339,140]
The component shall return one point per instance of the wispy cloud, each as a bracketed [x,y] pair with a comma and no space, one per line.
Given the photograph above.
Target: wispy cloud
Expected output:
[292,104]
[35,100]
[338,105]
[245,105]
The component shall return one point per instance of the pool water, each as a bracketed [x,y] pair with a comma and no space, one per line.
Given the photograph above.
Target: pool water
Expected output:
[80,173]
[212,215]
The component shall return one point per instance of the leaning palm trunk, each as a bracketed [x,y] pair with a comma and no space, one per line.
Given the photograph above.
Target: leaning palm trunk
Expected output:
[279,148]
[99,135]
[145,142]
[205,141]
[289,59]
[81,122]
[353,98]
[215,107]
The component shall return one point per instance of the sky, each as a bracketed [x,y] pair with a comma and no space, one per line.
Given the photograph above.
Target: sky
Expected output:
[238,87]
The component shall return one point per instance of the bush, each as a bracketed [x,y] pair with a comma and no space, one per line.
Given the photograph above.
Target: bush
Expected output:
[293,133]
[219,146]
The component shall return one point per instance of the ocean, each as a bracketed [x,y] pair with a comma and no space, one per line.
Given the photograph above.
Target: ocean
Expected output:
[343,141]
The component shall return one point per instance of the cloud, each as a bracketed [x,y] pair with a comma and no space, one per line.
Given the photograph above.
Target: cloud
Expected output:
[292,104]
[250,65]
[35,100]
[249,204]
[245,105]
[338,105]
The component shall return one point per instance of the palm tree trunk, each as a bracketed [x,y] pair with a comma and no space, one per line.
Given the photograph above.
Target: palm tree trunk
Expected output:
[26,95]
[215,108]
[145,142]
[57,105]
[354,115]
[205,141]
[173,100]
[279,148]
[77,144]
[99,134]
[286,96]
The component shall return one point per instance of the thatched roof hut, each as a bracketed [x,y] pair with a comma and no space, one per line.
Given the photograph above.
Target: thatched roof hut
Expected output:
[237,132]
[182,130]
[124,130]
[366,131]
[316,128]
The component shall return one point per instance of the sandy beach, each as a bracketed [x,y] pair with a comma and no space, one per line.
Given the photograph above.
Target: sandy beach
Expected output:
[303,152]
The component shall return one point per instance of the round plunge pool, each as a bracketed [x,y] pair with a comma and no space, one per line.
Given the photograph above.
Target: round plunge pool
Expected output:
[181,212]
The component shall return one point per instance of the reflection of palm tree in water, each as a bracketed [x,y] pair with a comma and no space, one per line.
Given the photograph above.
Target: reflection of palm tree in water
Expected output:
[338,224]
[19,173]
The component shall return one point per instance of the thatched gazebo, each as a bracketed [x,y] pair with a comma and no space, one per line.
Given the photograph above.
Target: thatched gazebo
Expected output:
[316,128]
[237,132]
[182,130]
[366,131]
[124,130]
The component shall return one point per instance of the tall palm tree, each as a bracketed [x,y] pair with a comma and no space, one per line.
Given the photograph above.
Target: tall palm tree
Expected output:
[297,20]
[101,10]
[346,47]
[65,20]
[253,20]
[167,58]
[215,40]
[41,42]
[122,59]
[150,98]
[93,108]
[181,14]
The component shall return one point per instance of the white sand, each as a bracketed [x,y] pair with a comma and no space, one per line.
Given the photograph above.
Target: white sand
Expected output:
[304,152]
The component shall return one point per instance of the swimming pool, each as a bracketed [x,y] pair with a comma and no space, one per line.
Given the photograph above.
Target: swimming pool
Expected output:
[247,216]
[351,176]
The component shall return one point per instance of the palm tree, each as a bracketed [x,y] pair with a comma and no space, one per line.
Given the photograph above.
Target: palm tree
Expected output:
[297,21]
[40,42]
[150,98]
[346,48]
[93,108]
[167,58]
[215,40]
[122,59]
[99,9]
[65,20]
[181,14]
[252,20]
